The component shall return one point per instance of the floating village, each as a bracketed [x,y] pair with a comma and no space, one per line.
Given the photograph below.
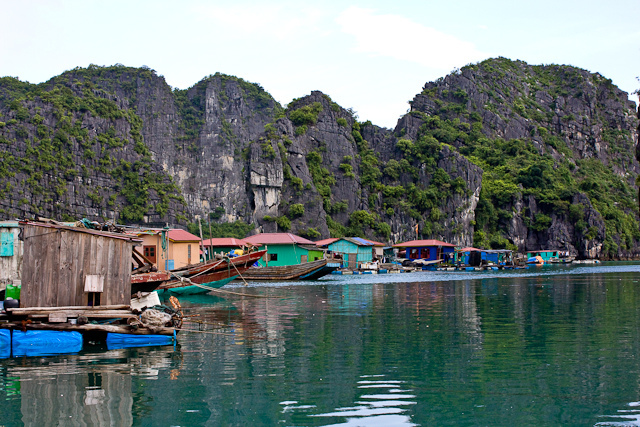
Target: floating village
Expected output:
[64,285]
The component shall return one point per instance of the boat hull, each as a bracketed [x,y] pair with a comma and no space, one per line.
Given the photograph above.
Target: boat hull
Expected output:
[211,275]
[306,271]
[195,289]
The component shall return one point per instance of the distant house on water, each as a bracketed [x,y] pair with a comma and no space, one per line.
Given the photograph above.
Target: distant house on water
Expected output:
[429,250]
[352,250]
[171,248]
[285,249]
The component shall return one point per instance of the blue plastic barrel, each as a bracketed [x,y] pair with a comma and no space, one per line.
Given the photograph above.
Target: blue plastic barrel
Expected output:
[5,343]
[44,343]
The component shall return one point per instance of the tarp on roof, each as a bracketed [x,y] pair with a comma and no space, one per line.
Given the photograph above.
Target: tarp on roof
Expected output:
[277,239]
[360,241]
[420,243]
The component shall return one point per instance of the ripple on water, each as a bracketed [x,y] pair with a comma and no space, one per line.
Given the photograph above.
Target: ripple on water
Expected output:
[624,417]
[380,409]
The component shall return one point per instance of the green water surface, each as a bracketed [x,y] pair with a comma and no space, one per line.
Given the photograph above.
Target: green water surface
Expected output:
[545,347]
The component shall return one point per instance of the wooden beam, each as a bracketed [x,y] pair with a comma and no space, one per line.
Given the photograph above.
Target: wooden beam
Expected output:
[93,314]
[119,329]
[142,256]
[77,307]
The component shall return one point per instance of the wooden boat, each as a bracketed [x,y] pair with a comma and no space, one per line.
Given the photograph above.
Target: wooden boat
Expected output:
[305,271]
[212,274]
[565,260]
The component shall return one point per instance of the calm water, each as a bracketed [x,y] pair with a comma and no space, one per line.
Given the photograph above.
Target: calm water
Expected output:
[552,346]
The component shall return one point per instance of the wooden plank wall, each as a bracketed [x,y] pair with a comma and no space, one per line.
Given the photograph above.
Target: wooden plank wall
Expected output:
[57,261]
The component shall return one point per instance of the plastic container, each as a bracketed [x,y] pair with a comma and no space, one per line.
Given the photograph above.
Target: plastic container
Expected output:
[13,291]
[169,264]
[43,343]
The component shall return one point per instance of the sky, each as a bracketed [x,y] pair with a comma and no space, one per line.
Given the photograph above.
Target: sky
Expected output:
[372,56]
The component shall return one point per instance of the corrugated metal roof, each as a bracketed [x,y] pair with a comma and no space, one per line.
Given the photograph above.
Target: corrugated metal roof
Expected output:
[375,243]
[418,243]
[469,249]
[326,242]
[121,236]
[9,224]
[277,239]
[225,242]
[178,235]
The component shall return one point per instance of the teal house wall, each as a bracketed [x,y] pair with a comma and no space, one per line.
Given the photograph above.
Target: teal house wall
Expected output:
[546,255]
[285,255]
[353,254]
[285,249]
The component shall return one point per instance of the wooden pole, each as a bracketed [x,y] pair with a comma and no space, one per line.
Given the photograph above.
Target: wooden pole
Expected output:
[201,241]
[210,237]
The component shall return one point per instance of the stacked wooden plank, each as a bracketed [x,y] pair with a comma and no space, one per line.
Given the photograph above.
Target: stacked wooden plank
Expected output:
[62,314]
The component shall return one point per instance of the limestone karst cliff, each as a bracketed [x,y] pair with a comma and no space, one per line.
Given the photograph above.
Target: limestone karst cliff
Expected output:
[499,153]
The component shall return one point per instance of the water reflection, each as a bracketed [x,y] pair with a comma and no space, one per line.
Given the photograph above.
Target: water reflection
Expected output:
[85,389]
[546,349]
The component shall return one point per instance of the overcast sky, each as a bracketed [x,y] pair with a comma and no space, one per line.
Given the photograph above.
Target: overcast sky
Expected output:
[373,56]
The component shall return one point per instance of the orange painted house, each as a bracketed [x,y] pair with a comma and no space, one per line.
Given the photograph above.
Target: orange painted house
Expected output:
[169,249]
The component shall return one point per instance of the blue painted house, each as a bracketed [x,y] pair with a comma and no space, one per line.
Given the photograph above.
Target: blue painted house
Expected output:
[428,250]
[353,251]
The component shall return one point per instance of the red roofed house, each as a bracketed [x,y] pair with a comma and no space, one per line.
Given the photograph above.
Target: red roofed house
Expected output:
[285,249]
[223,245]
[429,250]
[169,249]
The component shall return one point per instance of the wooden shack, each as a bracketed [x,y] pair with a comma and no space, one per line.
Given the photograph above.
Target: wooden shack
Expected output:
[69,266]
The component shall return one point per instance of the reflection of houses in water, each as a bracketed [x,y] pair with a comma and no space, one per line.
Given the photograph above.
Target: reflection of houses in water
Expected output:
[454,302]
[82,390]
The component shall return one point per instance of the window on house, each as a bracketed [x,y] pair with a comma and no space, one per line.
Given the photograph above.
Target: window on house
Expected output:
[150,253]
[273,257]
[414,253]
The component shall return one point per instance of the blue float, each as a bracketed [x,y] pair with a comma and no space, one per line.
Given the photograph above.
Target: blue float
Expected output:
[115,341]
[5,343]
[45,343]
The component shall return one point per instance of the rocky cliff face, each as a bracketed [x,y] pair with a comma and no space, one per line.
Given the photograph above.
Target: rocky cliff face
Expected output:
[577,120]
[498,154]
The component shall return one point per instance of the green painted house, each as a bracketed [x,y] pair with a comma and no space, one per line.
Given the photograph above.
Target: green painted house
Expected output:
[285,249]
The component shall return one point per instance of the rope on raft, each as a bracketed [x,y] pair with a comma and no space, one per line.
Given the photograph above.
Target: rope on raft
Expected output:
[209,288]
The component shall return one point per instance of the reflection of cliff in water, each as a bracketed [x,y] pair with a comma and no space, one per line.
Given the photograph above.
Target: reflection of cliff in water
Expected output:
[81,390]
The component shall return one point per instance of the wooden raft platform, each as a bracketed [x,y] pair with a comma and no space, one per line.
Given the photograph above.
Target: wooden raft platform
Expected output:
[57,319]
